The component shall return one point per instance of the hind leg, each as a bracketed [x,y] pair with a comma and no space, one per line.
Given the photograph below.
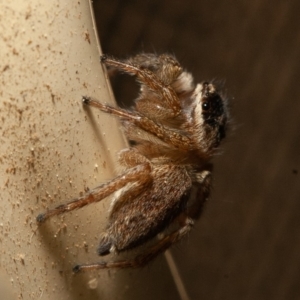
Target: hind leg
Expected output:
[144,258]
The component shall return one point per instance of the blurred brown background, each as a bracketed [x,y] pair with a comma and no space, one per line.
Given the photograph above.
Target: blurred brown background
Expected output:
[247,243]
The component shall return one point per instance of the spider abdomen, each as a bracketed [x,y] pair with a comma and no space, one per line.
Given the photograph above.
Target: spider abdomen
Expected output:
[141,218]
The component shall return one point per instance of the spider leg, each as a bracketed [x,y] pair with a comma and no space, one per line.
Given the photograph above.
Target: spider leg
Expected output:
[164,66]
[200,193]
[150,80]
[142,259]
[168,136]
[139,174]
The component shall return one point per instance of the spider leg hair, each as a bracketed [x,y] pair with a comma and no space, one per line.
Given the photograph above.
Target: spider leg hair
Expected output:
[148,78]
[138,174]
[168,136]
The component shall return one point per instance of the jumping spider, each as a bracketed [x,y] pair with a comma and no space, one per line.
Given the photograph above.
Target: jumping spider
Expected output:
[174,128]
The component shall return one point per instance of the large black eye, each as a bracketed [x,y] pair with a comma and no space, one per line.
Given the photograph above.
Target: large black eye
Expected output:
[212,109]
[206,105]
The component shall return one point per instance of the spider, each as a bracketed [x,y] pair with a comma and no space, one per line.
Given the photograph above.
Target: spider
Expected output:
[174,129]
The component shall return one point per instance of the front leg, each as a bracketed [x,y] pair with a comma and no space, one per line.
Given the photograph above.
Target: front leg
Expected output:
[170,137]
[150,80]
[164,66]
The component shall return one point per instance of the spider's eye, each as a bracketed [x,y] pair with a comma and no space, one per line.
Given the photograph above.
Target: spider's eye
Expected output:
[205,106]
